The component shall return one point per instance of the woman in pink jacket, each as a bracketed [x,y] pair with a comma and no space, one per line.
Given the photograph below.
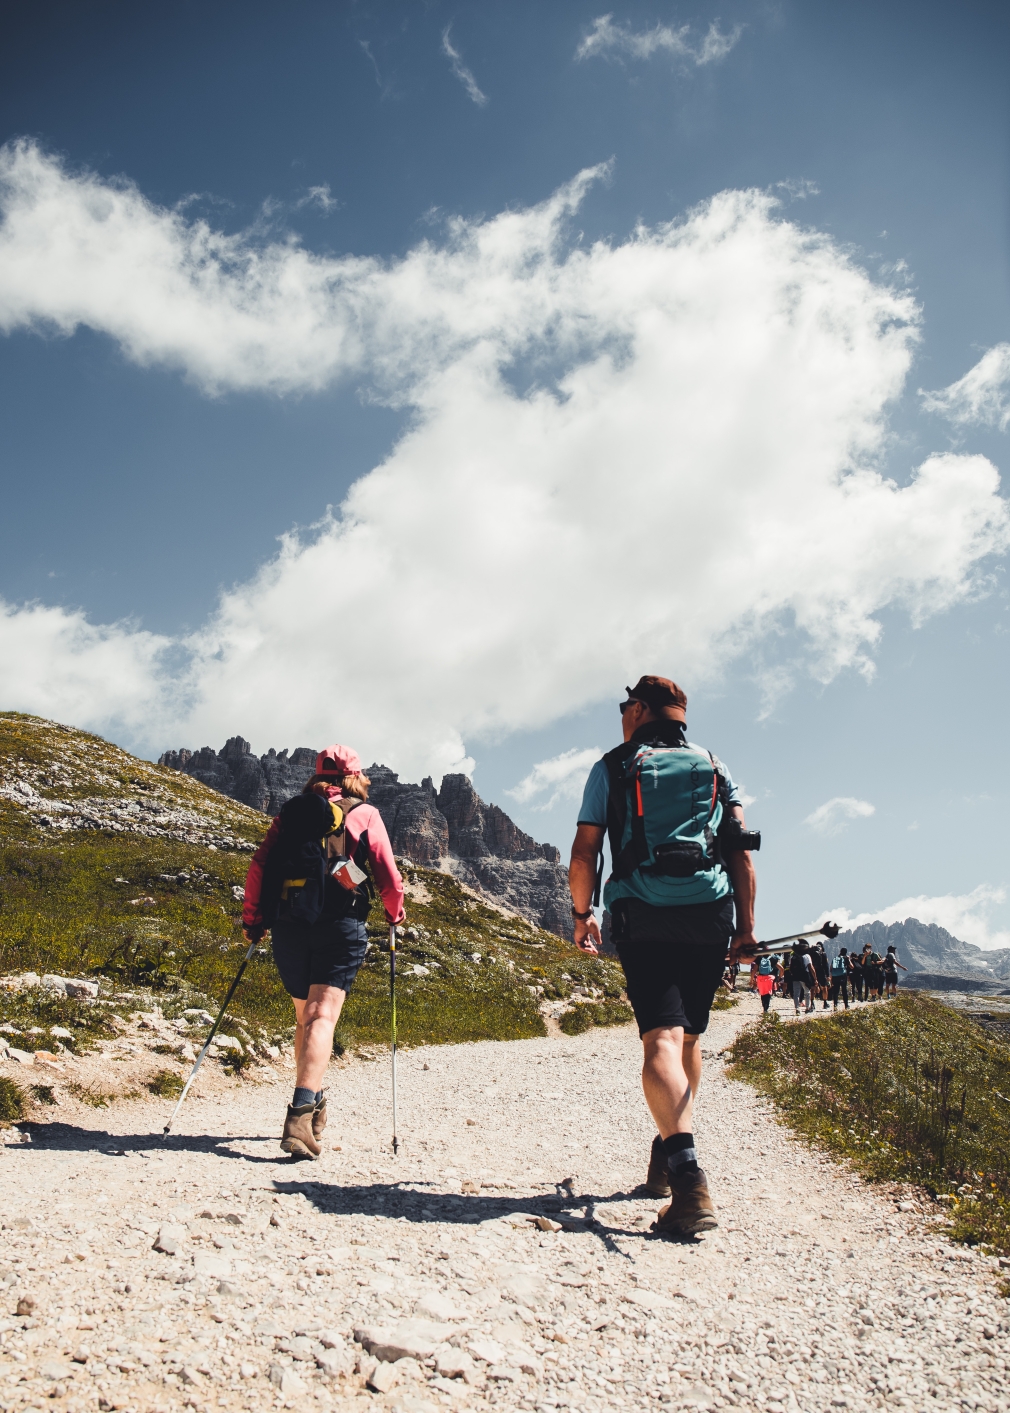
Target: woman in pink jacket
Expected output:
[318,961]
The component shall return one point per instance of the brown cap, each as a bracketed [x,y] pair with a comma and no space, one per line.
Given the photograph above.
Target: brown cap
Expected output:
[662,697]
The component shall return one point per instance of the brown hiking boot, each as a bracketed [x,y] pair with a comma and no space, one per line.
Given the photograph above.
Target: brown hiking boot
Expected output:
[690,1211]
[657,1180]
[298,1138]
[319,1119]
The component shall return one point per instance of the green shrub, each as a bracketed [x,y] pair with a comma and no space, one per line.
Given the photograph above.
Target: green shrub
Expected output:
[166,1084]
[586,1014]
[910,1091]
[43,1094]
[12,1102]
[577,1021]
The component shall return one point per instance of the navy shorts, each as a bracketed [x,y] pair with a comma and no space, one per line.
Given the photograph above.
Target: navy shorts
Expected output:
[673,960]
[322,954]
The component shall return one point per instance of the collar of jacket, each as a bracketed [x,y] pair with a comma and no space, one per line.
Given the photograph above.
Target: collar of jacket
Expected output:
[671,733]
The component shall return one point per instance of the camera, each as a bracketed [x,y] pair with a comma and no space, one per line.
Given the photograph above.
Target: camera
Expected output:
[733,836]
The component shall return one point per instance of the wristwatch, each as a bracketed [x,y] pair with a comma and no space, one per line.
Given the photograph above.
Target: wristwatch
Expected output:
[581,916]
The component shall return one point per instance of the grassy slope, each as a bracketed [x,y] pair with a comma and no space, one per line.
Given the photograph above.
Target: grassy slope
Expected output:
[910,1090]
[63,910]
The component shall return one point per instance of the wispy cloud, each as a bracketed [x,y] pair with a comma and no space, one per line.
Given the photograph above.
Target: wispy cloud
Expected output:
[561,778]
[836,814]
[607,39]
[460,70]
[964,915]
[981,397]
[753,343]
[319,196]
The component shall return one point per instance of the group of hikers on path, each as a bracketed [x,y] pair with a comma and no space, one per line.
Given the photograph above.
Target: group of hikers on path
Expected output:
[680,897]
[805,976]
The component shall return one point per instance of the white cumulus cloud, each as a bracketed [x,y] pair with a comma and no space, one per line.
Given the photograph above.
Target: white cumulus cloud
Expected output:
[461,71]
[694,468]
[562,778]
[964,915]
[607,37]
[835,814]
[981,397]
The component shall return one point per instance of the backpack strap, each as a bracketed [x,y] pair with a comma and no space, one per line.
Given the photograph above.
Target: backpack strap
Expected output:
[617,810]
[339,836]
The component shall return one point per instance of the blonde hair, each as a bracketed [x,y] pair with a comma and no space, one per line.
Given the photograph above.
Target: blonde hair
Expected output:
[356,784]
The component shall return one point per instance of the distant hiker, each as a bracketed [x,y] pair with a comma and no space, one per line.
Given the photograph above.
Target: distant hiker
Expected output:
[840,978]
[856,976]
[803,977]
[891,967]
[308,884]
[821,971]
[874,975]
[764,981]
[681,865]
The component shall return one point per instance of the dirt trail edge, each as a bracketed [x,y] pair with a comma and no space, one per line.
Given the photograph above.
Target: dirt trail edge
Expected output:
[206,1271]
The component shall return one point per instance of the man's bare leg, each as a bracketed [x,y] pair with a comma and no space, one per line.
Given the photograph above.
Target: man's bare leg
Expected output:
[671,1073]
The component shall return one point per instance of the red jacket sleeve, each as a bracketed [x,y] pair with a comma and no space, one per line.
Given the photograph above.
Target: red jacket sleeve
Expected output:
[251,915]
[380,855]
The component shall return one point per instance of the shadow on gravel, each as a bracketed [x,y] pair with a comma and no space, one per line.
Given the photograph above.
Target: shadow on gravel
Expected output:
[413,1203]
[69,1138]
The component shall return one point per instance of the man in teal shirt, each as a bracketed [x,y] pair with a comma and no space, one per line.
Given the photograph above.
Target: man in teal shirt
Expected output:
[682,891]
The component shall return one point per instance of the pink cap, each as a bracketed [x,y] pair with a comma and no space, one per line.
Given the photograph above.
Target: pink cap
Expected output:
[338,760]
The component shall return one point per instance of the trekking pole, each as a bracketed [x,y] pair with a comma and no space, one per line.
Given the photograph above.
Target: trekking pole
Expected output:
[767,949]
[213,1031]
[392,1006]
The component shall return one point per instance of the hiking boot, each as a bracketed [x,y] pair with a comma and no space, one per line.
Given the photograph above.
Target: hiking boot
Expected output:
[298,1138]
[319,1117]
[657,1179]
[690,1210]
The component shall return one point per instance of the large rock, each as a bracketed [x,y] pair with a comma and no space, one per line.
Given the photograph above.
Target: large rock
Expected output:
[264,783]
[417,828]
[407,1339]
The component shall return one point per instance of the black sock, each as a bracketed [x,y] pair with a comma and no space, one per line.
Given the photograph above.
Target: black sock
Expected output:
[319,1097]
[681,1155]
[303,1097]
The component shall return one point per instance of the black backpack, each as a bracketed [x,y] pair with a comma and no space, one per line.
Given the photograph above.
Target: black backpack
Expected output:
[294,876]
[797,971]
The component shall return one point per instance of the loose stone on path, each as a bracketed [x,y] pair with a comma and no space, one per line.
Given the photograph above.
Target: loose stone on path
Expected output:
[504,1265]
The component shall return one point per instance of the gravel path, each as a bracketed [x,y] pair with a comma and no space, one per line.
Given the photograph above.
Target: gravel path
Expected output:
[816,1292]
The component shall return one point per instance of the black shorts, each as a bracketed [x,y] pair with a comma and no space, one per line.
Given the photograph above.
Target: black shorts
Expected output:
[322,954]
[673,960]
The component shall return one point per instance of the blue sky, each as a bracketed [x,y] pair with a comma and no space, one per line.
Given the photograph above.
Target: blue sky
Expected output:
[152,455]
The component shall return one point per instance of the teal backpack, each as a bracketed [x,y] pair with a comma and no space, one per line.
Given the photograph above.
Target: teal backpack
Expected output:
[838,967]
[667,809]
[664,810]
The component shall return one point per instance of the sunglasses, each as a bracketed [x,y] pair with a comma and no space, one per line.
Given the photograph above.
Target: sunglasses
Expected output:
[632,701]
